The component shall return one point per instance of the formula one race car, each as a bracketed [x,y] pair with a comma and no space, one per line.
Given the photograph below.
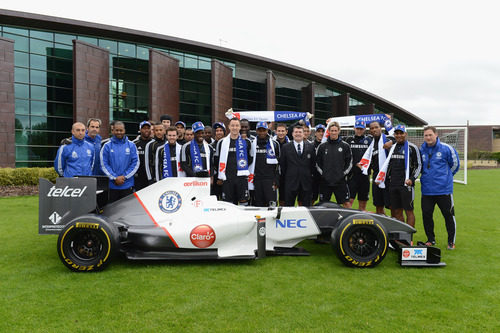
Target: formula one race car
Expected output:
[177,218]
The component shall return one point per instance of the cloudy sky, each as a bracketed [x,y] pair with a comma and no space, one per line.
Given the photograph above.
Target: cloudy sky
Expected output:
[438,59]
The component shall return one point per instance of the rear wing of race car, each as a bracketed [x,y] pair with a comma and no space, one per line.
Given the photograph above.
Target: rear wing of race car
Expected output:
[68,198]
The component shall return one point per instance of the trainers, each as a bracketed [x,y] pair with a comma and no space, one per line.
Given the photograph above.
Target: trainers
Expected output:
[430,243]
[451,246]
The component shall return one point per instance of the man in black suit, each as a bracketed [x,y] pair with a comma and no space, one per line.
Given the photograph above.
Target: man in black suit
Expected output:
[297,162]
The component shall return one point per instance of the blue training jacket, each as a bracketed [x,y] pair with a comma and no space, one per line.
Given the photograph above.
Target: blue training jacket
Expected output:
[96,142]
[75,159]
[119,157]
[440,164]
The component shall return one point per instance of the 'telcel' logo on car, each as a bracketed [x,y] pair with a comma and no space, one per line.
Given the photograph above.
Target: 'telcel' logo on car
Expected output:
[202,236]
[66,192]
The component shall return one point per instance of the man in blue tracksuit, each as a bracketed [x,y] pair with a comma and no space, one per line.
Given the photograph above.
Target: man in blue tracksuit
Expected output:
[92,136]
[75,158]
[119,161]
[440,164]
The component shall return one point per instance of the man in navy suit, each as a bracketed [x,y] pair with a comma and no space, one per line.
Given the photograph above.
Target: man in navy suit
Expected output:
[297,162]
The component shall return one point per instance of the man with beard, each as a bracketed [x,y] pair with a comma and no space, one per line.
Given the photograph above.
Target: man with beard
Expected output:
[234,156]
[197,155]
[373,159]
[150,150]
[141,177]
[264,171]
[181,130]
[359,184]
[168,157]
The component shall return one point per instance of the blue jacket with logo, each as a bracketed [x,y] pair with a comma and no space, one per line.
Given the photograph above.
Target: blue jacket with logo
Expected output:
[119,158]
[96,142]
[440,164]
[75,159]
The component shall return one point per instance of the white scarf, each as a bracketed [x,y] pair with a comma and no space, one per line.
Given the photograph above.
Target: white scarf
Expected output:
[224,151]
[180,172]
[367,157]
[380,180]
[270,159]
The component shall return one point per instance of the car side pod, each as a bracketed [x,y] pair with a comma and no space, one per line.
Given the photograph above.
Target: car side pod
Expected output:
[420,256]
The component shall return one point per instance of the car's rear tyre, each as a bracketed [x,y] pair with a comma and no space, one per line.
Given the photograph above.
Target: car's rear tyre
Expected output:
[360,241]
[87,244]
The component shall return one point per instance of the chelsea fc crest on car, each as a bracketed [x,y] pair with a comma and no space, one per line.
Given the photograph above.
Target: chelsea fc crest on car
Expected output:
[170,202]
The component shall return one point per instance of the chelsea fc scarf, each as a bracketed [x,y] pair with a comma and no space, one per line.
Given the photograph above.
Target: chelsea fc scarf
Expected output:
[167,163]
[241,157]
[367,157]
[196,162]
[270,159]
[380,180]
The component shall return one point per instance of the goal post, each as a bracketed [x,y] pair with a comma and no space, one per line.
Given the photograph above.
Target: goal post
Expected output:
[454,136]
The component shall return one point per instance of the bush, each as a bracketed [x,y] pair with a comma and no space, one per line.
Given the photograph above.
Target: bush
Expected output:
[496,156]
[25,176]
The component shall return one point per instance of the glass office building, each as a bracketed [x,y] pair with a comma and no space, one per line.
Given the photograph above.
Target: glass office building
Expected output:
[44,79]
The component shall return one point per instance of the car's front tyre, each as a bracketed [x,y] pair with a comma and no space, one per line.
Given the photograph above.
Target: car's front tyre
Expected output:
[360,241]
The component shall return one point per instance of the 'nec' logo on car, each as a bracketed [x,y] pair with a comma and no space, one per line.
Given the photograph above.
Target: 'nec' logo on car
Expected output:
[291,223]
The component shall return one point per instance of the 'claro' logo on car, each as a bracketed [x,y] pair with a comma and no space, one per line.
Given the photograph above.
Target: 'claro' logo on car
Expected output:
[202,236]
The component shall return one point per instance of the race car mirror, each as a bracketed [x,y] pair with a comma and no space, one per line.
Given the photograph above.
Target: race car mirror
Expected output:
[63,201]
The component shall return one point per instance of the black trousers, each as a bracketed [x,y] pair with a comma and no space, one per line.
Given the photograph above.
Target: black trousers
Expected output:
[445,204]
[300,194]
[115,195]
[264,192]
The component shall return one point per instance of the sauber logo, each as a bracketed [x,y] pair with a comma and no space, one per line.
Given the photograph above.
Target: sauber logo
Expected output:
[66,192]
[202,236]
[195,183]
[406,254]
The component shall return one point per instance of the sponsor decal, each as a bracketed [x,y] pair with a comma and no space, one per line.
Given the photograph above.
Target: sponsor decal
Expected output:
[87,225]
[74,154]
[202,236]
[195,183]
[214,209]
[197,203]
[262,231]
[89,152]
[66,192]
[170,202]
[127,151]
[291,223]
[439,154]
[414,254]
[222,167]
[340,149]
[362,221]
[55,218]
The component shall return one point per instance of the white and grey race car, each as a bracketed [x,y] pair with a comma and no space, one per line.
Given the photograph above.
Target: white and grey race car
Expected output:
[177,218]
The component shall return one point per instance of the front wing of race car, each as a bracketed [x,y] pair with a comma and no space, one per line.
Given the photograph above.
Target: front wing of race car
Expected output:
[177,218]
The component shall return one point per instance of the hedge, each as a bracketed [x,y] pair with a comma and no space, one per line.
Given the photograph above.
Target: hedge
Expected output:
[25,176]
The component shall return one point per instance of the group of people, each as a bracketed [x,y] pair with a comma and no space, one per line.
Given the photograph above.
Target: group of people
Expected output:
[288,165]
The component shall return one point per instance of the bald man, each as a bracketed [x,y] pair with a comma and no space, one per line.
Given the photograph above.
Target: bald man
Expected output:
[76,158]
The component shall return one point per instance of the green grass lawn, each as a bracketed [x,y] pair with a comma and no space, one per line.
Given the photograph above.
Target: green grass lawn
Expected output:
[277,294]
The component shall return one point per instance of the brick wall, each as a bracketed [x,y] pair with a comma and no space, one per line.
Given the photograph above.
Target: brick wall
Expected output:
[91,84]
[222,90]
[7,104]
[163,85]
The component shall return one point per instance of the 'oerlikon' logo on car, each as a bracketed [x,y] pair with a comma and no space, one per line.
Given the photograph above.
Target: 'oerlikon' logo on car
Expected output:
[202,236]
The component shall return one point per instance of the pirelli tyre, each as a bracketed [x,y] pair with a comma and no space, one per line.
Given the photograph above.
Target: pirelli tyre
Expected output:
[87,244]
[360,241]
